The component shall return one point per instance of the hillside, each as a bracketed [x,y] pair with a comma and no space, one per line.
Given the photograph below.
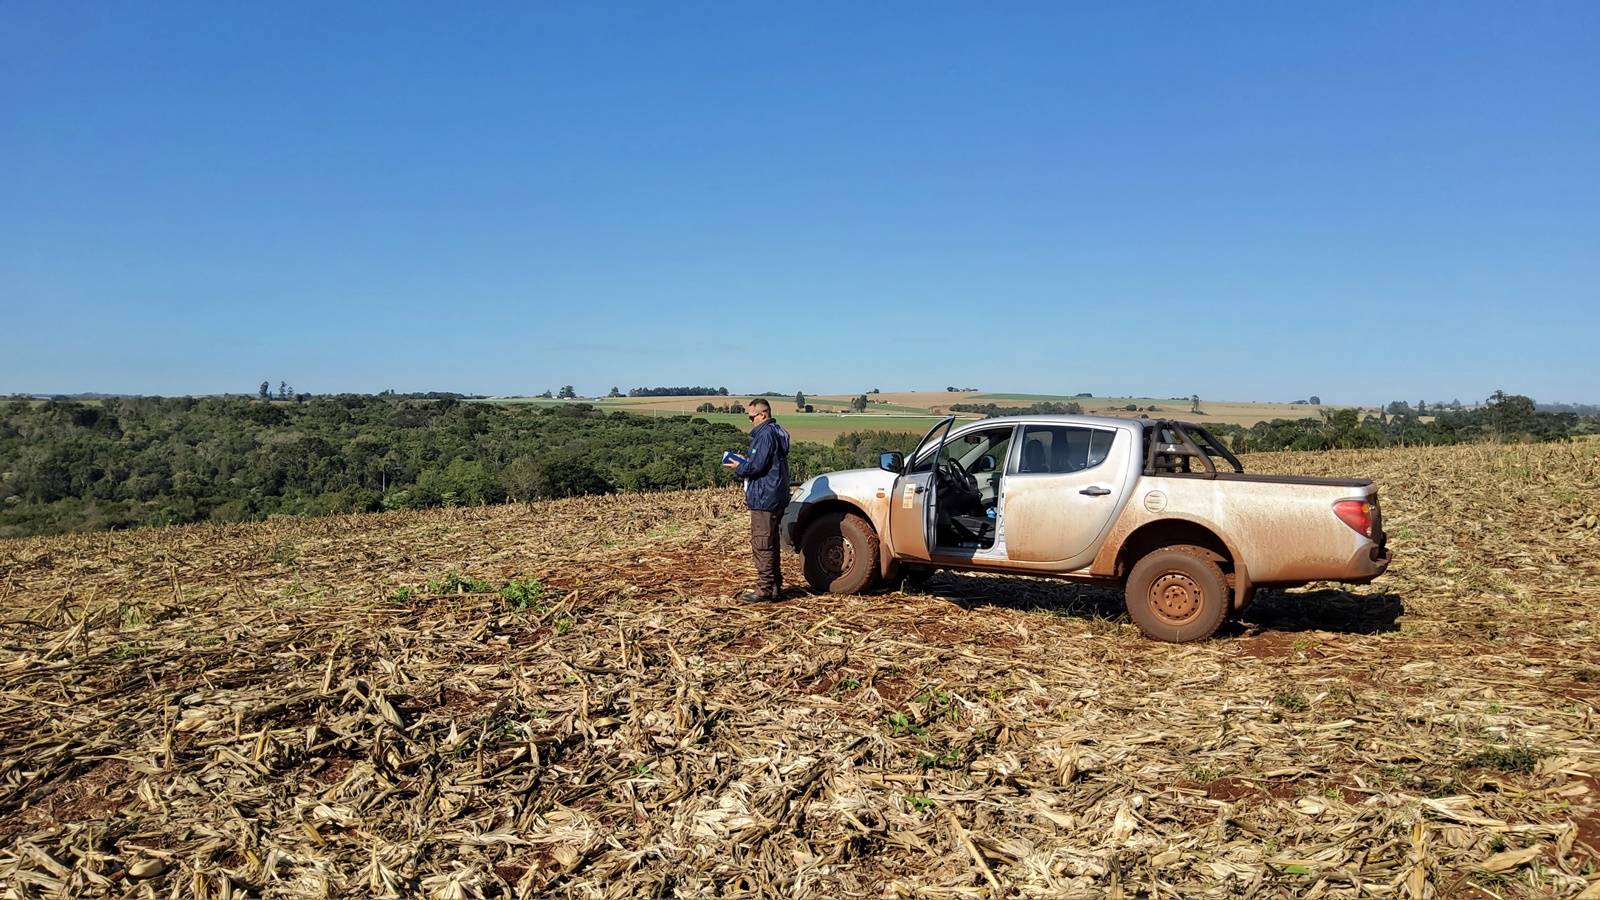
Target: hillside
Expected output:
[288,709]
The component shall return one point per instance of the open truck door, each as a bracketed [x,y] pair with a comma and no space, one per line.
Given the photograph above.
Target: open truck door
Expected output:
[914,503]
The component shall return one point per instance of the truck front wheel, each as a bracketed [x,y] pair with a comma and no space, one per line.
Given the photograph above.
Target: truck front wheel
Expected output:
[839,553]
[1177,594]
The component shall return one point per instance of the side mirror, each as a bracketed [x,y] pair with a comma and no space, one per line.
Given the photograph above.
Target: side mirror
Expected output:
[985,463]
[891,462]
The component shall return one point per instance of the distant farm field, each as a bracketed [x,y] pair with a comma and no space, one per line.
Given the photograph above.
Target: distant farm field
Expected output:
[820,427]
[824,428]
[886,410]
[561,700]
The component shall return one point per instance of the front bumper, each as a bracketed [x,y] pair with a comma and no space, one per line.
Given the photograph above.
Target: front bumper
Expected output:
[789,527]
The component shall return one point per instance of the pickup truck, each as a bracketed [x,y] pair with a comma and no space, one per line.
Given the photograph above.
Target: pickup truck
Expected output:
[1158,507]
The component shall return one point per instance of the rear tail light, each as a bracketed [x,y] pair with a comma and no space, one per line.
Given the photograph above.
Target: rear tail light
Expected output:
[1357,514]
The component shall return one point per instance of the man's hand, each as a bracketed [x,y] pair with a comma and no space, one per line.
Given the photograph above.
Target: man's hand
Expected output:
[730,465]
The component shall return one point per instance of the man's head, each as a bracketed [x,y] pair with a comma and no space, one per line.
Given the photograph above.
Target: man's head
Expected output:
[758,410]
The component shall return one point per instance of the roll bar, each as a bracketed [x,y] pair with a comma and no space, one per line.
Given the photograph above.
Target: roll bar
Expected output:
[1189,442]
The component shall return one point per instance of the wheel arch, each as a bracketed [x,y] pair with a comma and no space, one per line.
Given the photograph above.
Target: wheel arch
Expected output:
[814,511]
[876,515]
[1173,531]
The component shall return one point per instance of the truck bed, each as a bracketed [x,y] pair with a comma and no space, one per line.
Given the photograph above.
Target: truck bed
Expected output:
[1274,479]
[1175,449]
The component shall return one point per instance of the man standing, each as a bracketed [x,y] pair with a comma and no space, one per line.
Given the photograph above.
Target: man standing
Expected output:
[766,492]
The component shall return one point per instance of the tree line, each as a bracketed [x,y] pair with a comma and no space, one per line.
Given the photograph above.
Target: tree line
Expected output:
[1503,417]
[1043,408]
[124,462]
[696,391]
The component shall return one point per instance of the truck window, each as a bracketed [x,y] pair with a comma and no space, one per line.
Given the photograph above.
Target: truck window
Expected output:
[970,448]
[1058,449]
[1100,446]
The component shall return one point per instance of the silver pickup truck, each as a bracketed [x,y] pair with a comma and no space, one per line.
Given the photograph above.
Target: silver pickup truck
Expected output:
[1159,507]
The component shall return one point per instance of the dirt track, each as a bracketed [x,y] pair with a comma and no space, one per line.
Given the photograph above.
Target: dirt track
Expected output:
[253,710]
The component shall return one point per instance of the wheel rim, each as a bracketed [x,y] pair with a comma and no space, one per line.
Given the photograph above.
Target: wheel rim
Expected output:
[1176,599]
[837,556]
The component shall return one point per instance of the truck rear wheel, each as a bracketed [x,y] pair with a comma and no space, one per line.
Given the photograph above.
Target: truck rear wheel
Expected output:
[1177,594]
[839,554]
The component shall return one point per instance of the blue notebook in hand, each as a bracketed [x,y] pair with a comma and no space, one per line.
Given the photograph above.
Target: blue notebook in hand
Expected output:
[732,457]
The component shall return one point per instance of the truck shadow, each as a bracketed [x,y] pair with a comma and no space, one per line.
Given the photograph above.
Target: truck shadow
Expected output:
[1058,598]
[1330,610]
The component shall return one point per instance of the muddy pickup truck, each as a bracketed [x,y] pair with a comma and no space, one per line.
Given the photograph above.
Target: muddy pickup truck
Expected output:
[1159,507]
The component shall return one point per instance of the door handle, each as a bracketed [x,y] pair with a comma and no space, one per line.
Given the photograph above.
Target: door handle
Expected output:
[1095,491]
[918,489]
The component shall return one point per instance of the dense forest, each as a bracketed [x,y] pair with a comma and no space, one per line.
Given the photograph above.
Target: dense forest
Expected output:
[69,466]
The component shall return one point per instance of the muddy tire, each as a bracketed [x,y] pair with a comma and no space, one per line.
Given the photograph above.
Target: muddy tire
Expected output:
[1177,594]
[839,554]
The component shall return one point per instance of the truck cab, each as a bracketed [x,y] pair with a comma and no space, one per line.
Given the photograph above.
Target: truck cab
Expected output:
[1160,507]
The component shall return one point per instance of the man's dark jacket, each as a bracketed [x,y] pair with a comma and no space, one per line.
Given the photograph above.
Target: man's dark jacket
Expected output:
[766,471]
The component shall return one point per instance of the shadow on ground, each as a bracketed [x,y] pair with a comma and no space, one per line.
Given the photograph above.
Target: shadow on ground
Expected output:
[1330,610]
[1060,598]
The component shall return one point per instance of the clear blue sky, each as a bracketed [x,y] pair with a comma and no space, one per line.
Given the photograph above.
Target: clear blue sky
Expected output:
[1245,201]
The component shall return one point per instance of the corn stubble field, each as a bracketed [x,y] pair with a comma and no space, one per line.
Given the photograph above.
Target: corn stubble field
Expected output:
[292,709]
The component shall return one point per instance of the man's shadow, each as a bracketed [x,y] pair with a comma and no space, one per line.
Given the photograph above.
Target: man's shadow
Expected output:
[1273,610]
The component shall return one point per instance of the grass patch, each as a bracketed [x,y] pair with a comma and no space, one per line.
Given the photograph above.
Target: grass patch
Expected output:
[949,759]
[522,594]
[1516,759]
[131,615]
[453,583]
[1293,701]
[939,703]
[901,725]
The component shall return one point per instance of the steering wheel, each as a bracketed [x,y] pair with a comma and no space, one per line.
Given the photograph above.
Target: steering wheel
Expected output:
[952,474]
